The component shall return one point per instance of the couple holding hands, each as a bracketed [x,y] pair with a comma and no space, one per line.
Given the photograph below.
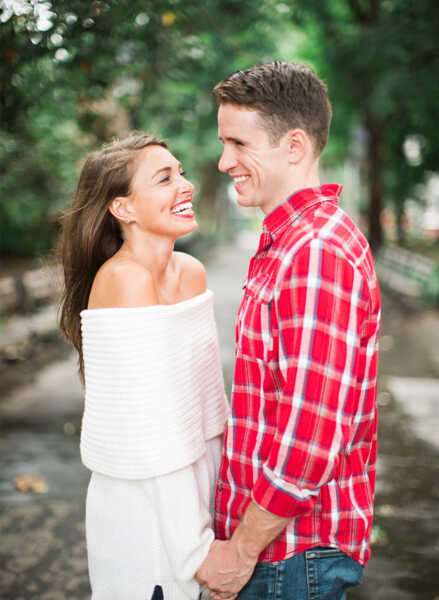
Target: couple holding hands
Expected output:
[270,497]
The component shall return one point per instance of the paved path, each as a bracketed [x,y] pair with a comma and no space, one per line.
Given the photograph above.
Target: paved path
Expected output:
[42,549]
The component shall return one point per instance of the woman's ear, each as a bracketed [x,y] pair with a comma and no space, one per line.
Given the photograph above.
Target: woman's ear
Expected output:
[298,145]
[121,208]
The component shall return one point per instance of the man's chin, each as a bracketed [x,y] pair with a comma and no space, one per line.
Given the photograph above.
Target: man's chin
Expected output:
[245,201]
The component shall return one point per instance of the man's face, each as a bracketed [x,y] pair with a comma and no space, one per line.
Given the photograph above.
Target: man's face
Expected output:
[258,168]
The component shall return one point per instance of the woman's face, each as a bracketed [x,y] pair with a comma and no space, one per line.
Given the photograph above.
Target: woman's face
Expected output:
[161,196]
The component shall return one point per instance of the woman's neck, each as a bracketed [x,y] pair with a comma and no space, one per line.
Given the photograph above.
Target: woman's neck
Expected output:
[153,252]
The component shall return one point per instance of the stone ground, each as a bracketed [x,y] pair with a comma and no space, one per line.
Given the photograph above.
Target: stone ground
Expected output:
[42,549]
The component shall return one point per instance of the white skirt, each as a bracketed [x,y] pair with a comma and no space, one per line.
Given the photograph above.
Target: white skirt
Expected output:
[157,531]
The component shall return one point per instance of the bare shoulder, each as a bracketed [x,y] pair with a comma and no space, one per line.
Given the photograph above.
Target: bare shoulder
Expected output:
[193,273]
[122,283]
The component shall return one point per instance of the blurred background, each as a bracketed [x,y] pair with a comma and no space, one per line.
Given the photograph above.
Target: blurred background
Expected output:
[75,74]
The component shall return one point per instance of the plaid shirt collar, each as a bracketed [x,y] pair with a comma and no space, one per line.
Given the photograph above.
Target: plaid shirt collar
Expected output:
[290,210]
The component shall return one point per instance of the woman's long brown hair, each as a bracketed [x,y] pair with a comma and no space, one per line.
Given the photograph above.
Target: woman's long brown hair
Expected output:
[90,234]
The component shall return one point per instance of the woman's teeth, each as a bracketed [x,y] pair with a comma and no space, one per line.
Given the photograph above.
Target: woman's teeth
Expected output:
[240,179]
[182,208]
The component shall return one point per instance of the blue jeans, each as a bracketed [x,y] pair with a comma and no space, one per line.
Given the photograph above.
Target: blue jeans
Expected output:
[317,574]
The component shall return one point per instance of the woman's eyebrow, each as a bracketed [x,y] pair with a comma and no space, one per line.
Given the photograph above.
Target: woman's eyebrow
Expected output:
[161,169]
[168,168]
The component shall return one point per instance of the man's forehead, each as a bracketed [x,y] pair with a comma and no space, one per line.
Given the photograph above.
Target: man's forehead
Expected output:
[232,115]
[236,111]
[238,122]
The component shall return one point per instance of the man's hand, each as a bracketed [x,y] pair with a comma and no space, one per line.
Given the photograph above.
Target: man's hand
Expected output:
[225,570]
[229,565]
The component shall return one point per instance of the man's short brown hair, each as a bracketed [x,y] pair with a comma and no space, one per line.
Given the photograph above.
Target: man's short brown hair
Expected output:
[287,96]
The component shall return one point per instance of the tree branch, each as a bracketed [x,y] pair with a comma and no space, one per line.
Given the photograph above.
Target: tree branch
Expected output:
[374,13]
[360,15]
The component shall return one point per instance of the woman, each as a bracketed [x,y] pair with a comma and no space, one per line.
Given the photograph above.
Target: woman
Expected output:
[142,322]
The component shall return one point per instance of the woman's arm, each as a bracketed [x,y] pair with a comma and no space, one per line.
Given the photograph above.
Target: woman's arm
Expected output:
[185,521]
[123,284]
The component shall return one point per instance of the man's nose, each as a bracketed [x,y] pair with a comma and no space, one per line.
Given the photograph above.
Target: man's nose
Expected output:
[227,161]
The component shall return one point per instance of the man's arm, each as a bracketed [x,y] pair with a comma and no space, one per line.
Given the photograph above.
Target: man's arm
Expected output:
[257,529]
[321,305]
[229,565]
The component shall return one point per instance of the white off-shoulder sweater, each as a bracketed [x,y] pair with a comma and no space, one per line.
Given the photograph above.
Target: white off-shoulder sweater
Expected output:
[152,429]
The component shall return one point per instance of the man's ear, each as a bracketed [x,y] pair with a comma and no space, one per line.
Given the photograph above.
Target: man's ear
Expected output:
[122,209]
[298,145]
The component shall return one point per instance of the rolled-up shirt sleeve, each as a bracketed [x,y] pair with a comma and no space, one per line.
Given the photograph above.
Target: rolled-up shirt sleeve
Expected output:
[319,304]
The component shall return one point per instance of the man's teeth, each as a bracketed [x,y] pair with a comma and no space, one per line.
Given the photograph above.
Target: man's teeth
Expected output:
[182,208]
[240,179]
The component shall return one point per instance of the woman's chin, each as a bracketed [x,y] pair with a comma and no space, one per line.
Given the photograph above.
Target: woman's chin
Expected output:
[188,227]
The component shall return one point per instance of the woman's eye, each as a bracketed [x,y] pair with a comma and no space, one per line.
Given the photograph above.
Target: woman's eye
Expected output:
[167,178]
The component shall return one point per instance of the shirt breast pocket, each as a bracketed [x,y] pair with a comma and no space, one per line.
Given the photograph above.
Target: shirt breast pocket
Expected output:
[254,338]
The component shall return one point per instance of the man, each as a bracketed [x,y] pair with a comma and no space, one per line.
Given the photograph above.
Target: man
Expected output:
[294,498]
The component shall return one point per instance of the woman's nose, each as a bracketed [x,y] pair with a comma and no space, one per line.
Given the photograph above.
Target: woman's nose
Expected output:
[186,185]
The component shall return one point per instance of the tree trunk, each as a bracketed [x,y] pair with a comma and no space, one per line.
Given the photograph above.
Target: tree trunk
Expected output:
[400,223]
[213,203]
[375,176]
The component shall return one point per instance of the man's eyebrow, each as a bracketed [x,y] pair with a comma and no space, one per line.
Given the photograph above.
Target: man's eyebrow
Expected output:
[230,139]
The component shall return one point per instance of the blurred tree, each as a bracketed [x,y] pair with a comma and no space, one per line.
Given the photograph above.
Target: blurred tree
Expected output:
[75,73]
[381,62]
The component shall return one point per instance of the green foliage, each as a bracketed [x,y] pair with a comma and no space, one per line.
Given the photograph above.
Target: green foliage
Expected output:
[75,74]
[382,67]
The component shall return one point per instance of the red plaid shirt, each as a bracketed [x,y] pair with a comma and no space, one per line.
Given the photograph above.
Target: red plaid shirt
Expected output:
[301,435]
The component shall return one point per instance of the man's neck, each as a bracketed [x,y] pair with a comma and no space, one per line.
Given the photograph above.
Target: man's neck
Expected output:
[309,179]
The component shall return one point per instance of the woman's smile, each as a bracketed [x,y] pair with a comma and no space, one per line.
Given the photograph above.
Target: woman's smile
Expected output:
[183,209]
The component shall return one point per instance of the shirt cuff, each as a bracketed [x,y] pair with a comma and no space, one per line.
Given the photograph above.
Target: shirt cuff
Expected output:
[282,498]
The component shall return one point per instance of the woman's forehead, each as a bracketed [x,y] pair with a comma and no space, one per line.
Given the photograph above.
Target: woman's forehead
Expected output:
[154,158]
